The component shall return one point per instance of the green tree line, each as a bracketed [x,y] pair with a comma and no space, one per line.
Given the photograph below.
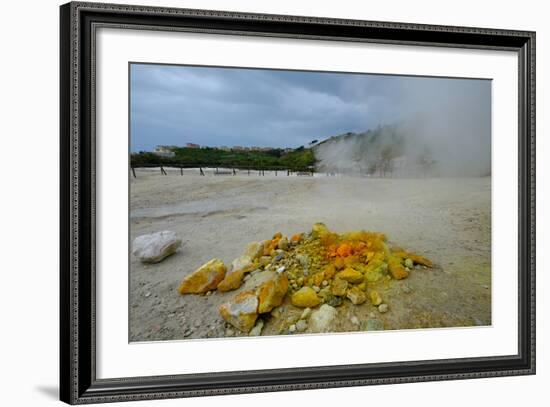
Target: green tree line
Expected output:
[299,159]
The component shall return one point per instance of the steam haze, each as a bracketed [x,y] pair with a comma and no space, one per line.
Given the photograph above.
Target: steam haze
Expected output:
[444,119]
[447,119]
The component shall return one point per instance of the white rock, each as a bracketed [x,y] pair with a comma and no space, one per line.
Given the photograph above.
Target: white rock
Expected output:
[292,328]
[322,318]
[241,263]
[155,247]
[306,313]
[254,250]
[383,308]
[301,325]
[257,330]
[354,320]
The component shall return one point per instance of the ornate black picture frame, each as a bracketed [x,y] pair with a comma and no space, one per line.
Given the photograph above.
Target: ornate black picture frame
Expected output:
[78,381]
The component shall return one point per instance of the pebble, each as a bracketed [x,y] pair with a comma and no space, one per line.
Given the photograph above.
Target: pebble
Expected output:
[229,332]
[279,257]
[171,315]
[197,324]
[301,325]
[325,283]
[333,300]
[486,287]
[306,313]
[187,332]
[281,269]
[208,293]
[375,298]
[354,320]
[292,328]
[147,294]
[316,289]
[257,330]
[383,308]
[406,289]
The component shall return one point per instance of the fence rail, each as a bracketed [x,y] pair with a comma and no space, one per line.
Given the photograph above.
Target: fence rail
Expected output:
[227,170]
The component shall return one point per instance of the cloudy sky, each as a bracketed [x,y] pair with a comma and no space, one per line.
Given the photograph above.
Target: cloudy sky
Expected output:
[174,105]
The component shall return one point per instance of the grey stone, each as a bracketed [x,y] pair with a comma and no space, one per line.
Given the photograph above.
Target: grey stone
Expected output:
[301,325]
[155,247]
[383,308]
[257,330]
[321,319]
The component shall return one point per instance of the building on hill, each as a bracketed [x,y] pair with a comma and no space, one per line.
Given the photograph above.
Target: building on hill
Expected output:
[192,145]
[164,151]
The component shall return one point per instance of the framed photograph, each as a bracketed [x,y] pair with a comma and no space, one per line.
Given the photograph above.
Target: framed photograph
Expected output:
[256,203]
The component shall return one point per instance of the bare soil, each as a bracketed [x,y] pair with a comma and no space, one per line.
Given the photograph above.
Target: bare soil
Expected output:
[447,220]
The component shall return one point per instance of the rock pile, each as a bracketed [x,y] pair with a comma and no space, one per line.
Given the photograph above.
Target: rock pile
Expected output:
[316,269]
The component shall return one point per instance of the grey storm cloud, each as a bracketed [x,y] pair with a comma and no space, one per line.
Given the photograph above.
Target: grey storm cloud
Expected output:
[174,105]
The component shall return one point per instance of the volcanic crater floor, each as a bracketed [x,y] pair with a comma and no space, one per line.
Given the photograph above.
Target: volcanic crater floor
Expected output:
[446,220]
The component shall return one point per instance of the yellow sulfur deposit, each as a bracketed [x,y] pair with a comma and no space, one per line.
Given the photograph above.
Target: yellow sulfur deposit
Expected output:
[271,293]
[205,278]
[305,297]
[351,275]
[232,281]
[310,269]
